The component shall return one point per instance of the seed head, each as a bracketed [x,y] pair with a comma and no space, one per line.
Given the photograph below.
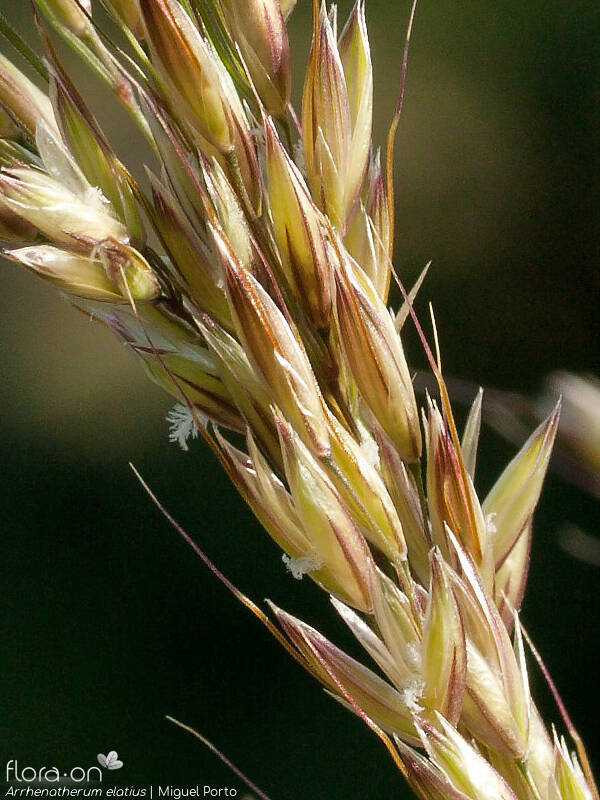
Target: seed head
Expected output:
[298,231]
[406,500]
[336,114]
[198,275]
[376,358]
[326,130]
[76,274]
[496,704]
[453,503]
[79,219]
[359,483]
[368,236]
[514,496]
[195,84]
[347,678]
[327,524]
[355,56]
[444,659]
[461,764]
[567,782]
[22,100]
[257,27]
[276,352]
[253,286]
[93,155]
[116,273]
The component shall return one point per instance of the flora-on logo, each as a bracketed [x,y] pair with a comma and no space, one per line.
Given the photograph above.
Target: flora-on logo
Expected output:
[110,761]
[44,774]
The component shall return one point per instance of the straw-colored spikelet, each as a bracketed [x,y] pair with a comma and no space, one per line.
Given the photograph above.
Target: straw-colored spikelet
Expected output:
[261,307]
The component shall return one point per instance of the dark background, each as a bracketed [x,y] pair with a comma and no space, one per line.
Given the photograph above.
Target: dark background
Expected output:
[109,620]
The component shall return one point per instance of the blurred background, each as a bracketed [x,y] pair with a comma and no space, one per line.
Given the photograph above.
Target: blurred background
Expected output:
[110,620]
